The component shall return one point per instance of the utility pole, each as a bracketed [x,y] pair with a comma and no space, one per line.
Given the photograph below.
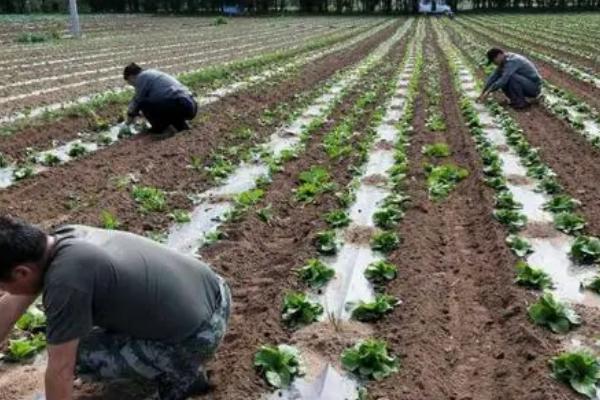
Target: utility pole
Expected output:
[74,19]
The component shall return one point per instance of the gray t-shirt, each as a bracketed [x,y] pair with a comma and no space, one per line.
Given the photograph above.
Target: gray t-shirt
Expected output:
[125,284]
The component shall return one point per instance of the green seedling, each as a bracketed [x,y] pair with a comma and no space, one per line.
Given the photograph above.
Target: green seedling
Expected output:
[326,242]
[299,311]
[26,347]
[375,310]
[50,160]
[337,219]
[388,216]
[439,150]
[518,245]
[385,242]
[557,316]
[23,172]
[313,182]
[181,216]
[381,272]
[513,219]
[266,213]
[149,198]
[442,179]
[33,320]
[369,359]
[316,273]
[109,220]
[586,250]
[561,203]
[506,201]
[279,365]
[532,277]
[77,150]
[569,222]
[578,369]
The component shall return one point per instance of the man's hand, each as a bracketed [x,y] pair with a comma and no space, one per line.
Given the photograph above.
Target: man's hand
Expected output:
[60,370]
[483,96]
[11,308]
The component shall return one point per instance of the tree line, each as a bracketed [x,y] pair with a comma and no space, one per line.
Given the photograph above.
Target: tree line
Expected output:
[281,6]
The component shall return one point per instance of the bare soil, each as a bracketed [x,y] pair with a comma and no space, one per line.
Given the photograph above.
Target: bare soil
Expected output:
[462,332]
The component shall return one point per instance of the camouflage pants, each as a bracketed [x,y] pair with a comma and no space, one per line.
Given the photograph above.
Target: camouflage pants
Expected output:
[175,367]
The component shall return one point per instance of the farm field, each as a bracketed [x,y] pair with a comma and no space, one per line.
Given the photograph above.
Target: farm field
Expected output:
[385,235]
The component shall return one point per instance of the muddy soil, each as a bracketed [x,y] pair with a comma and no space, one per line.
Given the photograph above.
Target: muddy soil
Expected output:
[89,186]
[462,331]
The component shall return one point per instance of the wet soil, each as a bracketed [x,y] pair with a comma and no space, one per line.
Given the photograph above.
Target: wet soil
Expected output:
[462,331]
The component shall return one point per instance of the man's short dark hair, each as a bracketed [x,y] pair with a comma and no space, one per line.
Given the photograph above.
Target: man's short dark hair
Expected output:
[493,53]
[131,69]
[20,242]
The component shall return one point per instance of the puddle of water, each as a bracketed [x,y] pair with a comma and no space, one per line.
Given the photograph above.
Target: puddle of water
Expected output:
[551,255]
[532,202]
[511,164]
[349,285]
[368,198]
[386,132]
[380,161]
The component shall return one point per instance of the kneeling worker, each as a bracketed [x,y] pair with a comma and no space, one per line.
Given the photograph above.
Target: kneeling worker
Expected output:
[118,306]
[162,99]
[515,75]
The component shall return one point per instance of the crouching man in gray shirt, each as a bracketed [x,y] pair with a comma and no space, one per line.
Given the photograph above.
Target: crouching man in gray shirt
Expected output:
[515,75]
[162,99]
[118,306]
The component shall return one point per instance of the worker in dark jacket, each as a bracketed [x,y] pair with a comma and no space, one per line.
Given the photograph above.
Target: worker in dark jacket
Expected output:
[117,305]
[515,75]
[162,99]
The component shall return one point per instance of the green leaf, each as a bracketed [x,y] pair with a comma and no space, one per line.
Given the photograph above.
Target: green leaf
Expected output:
[32,320]
[388,216]
[532,277]
[579,369]
[326,242]
[561,203]
[315,273]
[442,179]
[513,219]
[375,310]
[551,313]
[518,245]
[437,150]
[586,250]
[569,222]
[26,347]
[279,365]
[380,272]
[385,242]
[298,310]
[337,218]
[369,359]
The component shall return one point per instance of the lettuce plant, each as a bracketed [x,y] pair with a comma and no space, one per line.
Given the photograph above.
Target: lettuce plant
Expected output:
[50,160]
[437,150]
[32,320]
[380,272]
[549,312]
[513,219]
[313,182]
[77,150]
[3,161]
[316,273]
[279,365]
[387,217]
[374,310]
[23,172]
[561,203]
[532,277]
[521,247]
[298,310]
[337,218]
[505,200]
[369,359]
[586,250]
[385,241]
[569,222]
[442,179]
[326,242]
[593,284]
[26,347]
[579,369]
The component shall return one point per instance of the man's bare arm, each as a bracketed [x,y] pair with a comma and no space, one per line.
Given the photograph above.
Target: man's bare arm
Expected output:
[60,370]
[11,309]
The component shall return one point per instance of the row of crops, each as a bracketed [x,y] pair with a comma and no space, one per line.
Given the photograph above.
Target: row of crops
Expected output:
[384,235]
